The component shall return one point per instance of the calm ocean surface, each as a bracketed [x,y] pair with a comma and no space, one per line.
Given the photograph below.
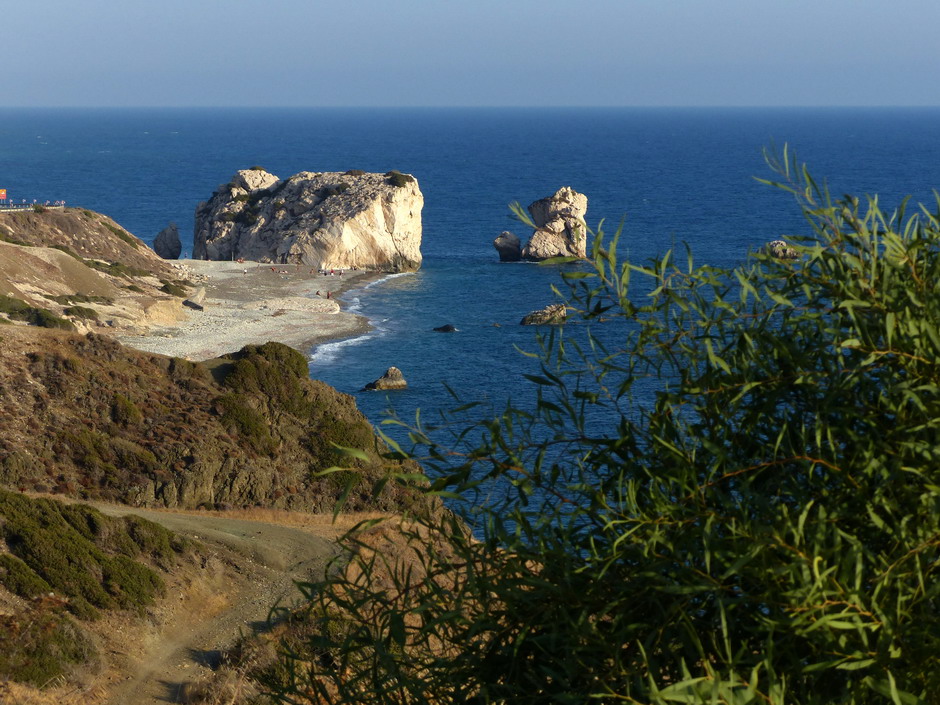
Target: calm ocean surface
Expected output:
[676,175]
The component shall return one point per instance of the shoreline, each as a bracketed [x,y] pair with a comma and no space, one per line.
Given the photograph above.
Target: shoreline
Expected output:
[250,303]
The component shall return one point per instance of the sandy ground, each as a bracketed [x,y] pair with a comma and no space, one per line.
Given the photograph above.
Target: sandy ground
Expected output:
[252,303]
[266,551]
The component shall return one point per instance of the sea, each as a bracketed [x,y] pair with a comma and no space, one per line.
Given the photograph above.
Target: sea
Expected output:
[674,178]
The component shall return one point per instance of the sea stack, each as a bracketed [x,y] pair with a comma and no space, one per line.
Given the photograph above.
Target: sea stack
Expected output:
[392,379]
[331,220]
[167,242]
[560,229]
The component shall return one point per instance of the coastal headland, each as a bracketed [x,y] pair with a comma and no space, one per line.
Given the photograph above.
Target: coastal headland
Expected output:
[211,481]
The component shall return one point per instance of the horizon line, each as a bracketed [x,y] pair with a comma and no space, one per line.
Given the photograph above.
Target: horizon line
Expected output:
[801,106]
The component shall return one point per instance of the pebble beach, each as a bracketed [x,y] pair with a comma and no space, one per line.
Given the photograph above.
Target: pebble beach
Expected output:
[252,303]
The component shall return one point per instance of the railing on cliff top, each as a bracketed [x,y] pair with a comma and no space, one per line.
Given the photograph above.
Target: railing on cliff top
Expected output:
[7,207]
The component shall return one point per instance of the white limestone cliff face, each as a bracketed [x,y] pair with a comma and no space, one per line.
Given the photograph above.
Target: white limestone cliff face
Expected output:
[330,220]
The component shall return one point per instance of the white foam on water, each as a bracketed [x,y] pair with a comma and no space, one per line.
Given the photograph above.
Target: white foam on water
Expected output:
[328,353]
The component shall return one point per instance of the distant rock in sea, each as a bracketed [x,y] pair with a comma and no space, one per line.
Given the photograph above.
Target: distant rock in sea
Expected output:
[554,314]
[560,229]
[447,328]
[334,220]
[167,242]
[780,249]
[392,379]
[508,246]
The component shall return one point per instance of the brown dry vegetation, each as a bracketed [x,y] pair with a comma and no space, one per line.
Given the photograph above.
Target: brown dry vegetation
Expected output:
[84,233]
[86,417]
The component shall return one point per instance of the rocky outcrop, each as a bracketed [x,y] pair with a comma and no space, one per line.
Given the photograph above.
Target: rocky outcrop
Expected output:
[560,230]
[780,249]
[446,328]
[334,220]
[508,247]
[167,242]
[83,267]
[560,227]
[554,314]
[392,379]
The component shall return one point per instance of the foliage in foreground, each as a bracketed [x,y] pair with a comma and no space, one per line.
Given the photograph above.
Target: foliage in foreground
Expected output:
[760,522]
[77,552]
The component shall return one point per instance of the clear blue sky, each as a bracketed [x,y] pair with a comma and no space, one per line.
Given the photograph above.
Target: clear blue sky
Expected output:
[469,52]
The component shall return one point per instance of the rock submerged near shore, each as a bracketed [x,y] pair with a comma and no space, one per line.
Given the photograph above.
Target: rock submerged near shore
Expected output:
[330,220]
[392,379]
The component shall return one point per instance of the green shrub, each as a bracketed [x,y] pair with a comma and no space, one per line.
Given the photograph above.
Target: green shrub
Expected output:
[125,412]
[81,554]
[116,269]
[65,299]
[397,179]
[133,287]
[88,214]
[81,312]
[41,644]
[13,306]
[19,310]
[122,235]
[333,190]
[173,289]
[237,414]
[354,172]
[726,489]
[20,579]
[38,209]
[46,319]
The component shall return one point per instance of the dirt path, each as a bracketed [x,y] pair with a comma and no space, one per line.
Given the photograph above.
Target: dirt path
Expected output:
[262,561]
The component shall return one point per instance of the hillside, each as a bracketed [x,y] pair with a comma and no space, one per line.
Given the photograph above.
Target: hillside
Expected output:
[83,268]
[87,417]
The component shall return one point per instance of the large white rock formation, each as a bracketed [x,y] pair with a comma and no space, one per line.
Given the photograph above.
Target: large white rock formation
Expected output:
[333,220]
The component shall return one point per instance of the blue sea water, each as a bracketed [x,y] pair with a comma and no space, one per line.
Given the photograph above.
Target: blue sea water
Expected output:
[675,175]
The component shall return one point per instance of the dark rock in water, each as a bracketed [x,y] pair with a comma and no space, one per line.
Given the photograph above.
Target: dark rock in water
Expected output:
[193,305]
[446,329]
[508,246]
[167,243]
[392,379]
[550,315]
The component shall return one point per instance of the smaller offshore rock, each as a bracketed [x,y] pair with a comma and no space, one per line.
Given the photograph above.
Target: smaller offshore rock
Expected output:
[561,230]
[554,314]
[448,328]
[392,379]
[780,249]
[508,247]
[167,242]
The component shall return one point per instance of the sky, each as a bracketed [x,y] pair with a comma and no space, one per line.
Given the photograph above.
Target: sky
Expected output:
[105,53]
